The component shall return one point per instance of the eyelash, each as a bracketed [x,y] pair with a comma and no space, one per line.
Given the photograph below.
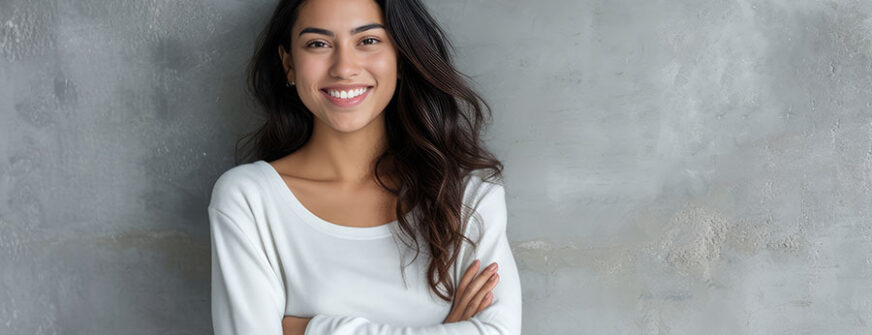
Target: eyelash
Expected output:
[365,39]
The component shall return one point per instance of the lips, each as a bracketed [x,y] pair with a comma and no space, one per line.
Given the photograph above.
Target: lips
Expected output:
[346,95]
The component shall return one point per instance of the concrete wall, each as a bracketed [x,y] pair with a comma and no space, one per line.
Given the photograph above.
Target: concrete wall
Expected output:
[673,167]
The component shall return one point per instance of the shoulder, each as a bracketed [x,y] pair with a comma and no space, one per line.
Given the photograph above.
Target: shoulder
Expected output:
[481,186]
[484,203]
[237,189]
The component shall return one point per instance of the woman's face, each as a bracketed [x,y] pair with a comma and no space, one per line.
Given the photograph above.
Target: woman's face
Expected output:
[342,61]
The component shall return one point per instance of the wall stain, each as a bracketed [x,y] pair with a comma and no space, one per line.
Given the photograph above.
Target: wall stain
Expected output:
[693,241]
[65,91]
[184,254]
[542,256]
[38,112]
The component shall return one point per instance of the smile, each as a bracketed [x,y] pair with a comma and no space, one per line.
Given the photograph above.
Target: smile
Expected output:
[346,98]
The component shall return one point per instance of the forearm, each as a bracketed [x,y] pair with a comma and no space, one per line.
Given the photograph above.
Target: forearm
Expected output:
[350,325]
[294,326]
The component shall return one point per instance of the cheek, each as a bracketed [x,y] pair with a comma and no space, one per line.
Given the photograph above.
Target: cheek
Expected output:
[386,70]
[308,69]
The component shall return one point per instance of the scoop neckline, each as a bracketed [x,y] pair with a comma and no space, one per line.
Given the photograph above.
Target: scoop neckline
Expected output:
[348,232]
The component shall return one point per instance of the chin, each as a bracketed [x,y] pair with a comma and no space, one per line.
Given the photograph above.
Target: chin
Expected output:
[350,125]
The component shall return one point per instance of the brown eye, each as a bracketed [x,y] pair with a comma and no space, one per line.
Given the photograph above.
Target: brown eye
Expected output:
[312,44]
[372,39]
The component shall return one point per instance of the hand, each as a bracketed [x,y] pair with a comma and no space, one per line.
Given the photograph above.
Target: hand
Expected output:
[474,292]
[294,326]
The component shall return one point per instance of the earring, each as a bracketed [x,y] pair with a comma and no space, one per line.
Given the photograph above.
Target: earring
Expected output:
[289,84]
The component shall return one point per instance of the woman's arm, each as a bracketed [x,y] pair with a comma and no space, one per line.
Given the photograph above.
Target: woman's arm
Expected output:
[247,296]
[471,297]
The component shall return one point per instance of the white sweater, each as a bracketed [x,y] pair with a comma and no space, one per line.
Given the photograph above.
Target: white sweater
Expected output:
[272,257]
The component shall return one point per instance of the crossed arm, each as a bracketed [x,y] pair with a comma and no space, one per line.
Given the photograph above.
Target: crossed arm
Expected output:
[471,297]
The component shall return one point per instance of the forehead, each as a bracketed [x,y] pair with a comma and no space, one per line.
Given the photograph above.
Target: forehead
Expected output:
[339,16]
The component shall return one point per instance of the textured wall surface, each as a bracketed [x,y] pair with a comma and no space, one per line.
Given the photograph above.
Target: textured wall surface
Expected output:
[673,167]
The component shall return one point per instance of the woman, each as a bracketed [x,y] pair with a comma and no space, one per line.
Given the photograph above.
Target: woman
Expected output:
[367,122]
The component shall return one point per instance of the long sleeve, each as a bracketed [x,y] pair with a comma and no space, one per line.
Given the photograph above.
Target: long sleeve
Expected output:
[247,295]
[502,317]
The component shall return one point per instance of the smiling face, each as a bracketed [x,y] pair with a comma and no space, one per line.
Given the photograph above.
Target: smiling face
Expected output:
[342,61]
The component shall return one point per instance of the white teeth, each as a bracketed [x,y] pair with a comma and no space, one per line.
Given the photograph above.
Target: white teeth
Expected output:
[347,94]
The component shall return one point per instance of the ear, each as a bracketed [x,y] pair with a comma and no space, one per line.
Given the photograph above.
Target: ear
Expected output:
[287,62]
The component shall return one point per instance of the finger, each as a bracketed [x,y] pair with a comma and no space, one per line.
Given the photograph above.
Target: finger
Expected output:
[477,283]
[456,310]
[467,277]
[488,299]
[485,302]
[475,304]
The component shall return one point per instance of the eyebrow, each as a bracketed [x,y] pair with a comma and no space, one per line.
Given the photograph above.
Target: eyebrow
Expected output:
[330,33]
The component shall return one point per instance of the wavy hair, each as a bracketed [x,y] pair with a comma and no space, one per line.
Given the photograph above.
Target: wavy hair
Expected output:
[433,122]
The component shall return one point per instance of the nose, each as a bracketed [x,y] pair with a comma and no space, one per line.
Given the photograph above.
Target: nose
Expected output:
[345,64]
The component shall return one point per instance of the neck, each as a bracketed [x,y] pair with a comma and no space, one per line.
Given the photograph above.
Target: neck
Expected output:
[345,157]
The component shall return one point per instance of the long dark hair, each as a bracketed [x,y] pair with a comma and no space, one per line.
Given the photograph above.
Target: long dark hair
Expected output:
[433,123]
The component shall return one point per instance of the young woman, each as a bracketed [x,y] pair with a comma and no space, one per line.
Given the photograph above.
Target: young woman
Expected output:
[368,205]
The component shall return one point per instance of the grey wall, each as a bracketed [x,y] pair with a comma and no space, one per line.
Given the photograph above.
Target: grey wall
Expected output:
[673,167]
